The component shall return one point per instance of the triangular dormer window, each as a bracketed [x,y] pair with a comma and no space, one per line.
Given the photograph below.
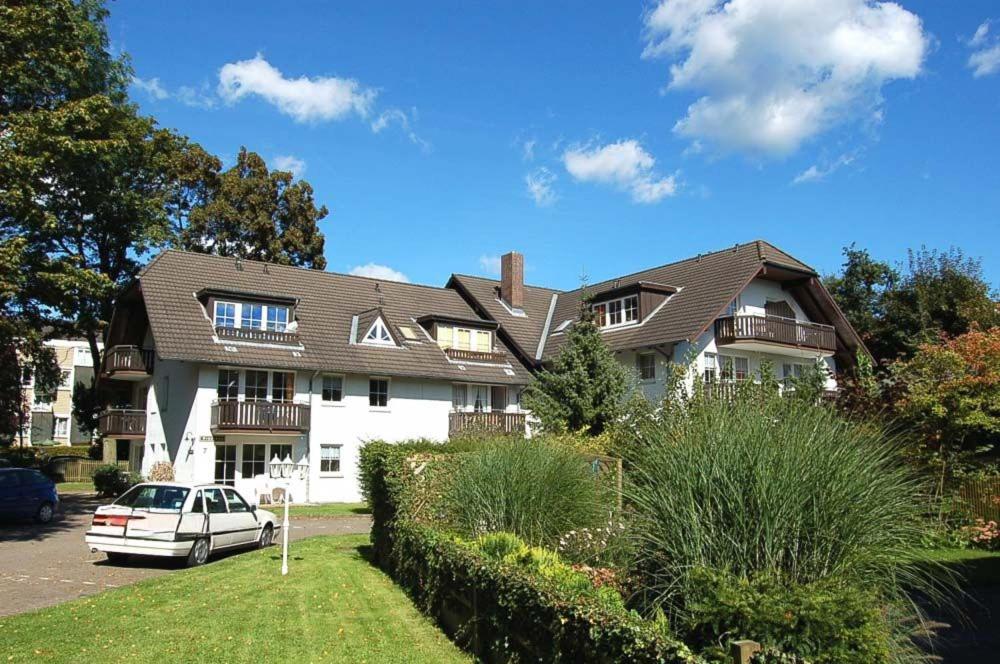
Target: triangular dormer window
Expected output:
[378,334]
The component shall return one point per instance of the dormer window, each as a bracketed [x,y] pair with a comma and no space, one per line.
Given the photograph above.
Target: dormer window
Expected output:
[251,316]
[617,312]
[378,334]
[463,338]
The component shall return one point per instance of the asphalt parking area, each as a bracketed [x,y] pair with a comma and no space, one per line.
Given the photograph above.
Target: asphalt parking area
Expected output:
[42,565]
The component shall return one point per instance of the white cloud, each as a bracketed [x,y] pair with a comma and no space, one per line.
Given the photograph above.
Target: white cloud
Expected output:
[196,97]
[816,172]
[772,73]
[287,162]
[375,271]
[150,86]
[625,165]
[985,59]
[528,149]
[489,264]
[304,99]
[539,185]
[395,116]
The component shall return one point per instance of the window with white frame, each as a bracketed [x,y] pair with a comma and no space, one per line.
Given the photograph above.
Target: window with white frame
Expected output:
[735,367]
[282,386]
[463,338]
[228,388]
[790,373]
[65,376]
[621,311]
[333,389]
[479,395]
[646,363]
[378,333]
[256,385]
[329,458]
[710,372]
[61,427]
[27,376]
[378,392]
[254,460]
[251,316]
[459,397]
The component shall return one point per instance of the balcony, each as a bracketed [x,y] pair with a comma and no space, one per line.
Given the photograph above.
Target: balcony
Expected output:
[122,423]
[486,422]
[259,416]
[128,363]
[774,334]
[257,336]
[493,357]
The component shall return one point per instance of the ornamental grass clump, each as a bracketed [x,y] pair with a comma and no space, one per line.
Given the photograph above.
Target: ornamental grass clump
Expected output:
[533,489]
[773,489]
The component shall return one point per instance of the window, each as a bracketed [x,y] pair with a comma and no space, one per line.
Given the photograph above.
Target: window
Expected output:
[236,502]
[215,501]
[253,316]
[277,318]
[459,397]
[617,312]
[44,398]
[225,314]
[26,375]
[280,451]
[282,386]
[711,371]
[647,366]
[198,506]
[333,389]
[254,458]
[445,336]
[229,385]
[329,458]
[378,393]
[378,333]
[498,395]
[480,398]
[483,340]
[463,339]
[61,427]
[225,465]
[256,387]
[155,496]
[408,333]
[735,368]
[65,376]
[790,372]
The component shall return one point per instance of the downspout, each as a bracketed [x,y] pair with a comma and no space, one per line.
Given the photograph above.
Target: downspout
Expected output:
[309,453]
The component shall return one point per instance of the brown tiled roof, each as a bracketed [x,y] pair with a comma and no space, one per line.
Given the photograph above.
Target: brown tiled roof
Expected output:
[524,331]
[706,284]
[327,304]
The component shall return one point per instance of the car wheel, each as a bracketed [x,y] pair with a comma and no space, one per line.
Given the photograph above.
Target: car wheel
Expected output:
[199,553]
[266,537]
[45,513]
[116,557]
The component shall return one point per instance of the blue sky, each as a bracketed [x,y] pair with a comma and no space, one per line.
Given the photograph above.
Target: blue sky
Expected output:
[596,138]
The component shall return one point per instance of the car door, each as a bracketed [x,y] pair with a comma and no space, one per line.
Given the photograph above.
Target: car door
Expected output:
[194,520]
[220,523]
[243,518]
[10,493]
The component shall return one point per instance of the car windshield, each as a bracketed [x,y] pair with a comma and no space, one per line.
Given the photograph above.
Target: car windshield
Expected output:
[153,496]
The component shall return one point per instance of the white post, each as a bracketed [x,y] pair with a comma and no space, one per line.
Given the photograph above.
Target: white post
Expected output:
[284,535]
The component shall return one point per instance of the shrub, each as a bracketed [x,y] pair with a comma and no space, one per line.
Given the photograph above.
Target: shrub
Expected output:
[535,490]
[773,488]
[161,471]
[112,481]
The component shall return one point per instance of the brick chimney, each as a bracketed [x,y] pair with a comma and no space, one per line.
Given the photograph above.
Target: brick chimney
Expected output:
[512,280]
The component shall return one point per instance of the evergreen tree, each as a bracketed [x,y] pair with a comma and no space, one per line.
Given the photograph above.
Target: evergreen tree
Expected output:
[585,387]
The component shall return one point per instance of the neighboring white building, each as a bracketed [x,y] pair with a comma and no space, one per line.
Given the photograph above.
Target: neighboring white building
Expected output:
[218,365]
[50,420]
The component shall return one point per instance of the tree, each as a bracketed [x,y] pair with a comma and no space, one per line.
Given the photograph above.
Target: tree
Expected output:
[586,385]
[254,213]
[895,311]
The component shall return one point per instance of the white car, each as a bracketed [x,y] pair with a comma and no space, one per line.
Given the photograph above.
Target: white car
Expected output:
[179,520]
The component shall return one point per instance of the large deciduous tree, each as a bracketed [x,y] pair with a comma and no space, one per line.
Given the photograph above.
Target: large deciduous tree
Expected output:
[585,387]
[251,212]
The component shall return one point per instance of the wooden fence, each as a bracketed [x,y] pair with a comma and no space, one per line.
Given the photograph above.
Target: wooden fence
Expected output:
[82,470]
[982,498]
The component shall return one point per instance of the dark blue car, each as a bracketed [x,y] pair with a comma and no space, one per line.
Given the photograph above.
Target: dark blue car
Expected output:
[26,493]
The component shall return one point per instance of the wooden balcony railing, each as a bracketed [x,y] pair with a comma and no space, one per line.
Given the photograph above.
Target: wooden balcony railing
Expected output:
[259,336]
[775,329]
[486,422]
[128,360]
[498,357]
[122,423]
[259,416]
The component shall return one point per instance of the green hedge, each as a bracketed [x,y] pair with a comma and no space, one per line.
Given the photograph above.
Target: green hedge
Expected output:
[495,610]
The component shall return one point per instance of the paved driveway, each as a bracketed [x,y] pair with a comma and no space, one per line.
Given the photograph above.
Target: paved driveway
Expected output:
[45,565]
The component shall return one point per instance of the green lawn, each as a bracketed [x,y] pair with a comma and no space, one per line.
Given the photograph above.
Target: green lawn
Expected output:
[315,511]
[332,607]
[75,487]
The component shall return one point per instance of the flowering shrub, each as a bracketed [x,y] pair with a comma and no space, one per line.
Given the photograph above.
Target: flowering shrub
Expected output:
[162,471]
[984,534]
[593,546]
